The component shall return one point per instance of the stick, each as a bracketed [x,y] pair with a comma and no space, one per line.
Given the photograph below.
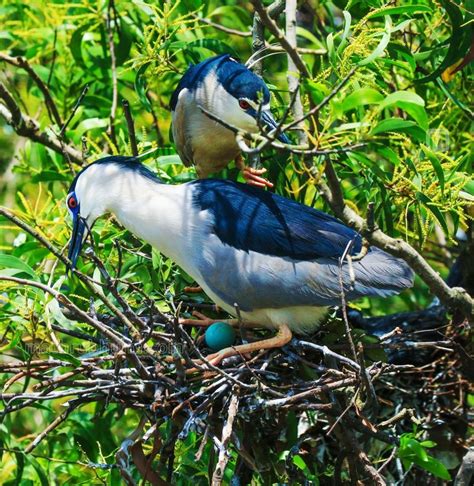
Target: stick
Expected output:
[131,127]
[218,475]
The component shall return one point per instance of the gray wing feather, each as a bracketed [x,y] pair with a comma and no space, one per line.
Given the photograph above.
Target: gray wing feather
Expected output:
[275,282]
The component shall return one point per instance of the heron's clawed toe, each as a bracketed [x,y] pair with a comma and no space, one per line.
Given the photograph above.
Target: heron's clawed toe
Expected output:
[201,321]
[253,177]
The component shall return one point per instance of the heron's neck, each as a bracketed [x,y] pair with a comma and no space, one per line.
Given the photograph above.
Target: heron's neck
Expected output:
[158,213]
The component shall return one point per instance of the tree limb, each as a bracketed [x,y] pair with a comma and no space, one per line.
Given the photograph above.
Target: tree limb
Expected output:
[280,36]
[50,104]
[29,128]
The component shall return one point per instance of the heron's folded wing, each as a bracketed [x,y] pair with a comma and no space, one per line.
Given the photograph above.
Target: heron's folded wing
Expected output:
[250,219]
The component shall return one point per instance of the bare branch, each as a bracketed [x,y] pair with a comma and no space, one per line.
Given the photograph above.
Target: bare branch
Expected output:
[74,109]
[293,78]
[222,28]
[280,36]
[50,104]
[258,32]
[113,67]
[218,475]
[29,128]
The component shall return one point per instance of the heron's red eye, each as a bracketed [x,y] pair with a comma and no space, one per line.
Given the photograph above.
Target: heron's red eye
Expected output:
[245,105]
[72,203]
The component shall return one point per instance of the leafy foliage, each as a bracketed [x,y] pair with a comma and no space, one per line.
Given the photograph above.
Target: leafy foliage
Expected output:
[403,103]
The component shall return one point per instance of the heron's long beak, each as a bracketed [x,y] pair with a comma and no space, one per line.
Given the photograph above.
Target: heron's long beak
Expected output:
[77,239]
[269,121]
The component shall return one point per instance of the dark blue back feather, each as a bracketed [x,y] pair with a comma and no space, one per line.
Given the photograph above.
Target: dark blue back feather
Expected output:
[232,75]
[249,218]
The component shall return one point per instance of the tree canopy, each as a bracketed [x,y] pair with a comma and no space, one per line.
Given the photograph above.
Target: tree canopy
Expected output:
[375,99]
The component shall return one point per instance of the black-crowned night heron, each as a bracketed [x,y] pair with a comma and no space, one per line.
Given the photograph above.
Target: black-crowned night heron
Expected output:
[232,93]
[278,260]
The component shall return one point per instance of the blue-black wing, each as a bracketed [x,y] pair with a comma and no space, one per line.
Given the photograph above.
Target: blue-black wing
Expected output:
[251,219]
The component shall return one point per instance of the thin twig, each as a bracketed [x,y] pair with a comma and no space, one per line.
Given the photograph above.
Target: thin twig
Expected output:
[131,127]
[113,67]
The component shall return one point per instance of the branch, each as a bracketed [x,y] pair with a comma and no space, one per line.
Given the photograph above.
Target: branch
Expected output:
[258,34]
[280,36]
[218,475]
[63,300]
[301,50]
[113,67]
[293,78]
[466,471]
[316,109]
[451,297]
[50,104]
[29,128]
[131,127]
[222,28]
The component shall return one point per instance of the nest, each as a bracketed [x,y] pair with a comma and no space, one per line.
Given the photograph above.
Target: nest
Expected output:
[336,406]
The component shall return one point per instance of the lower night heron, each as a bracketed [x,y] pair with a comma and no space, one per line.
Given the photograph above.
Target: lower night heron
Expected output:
[278,260]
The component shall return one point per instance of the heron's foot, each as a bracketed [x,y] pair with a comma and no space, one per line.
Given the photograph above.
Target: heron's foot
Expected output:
[200,321]
[253,177]
[283,337]
[193,290]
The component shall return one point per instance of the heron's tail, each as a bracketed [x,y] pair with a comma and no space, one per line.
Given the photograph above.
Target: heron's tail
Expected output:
[377,274]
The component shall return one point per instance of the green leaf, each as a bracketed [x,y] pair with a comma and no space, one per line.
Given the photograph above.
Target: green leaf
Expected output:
[90,124]
[379,50]
[347,28]
[406,96]
[362,96]
[20,466]
[317,91]
[299,463]
[44,481]
[458,43]
[410,102]
[430,205]
[392,125]
[407,9]
[76,45]
[436,165]
[399,125]
[141,86]
[214,45]
[11,262]
[50,175]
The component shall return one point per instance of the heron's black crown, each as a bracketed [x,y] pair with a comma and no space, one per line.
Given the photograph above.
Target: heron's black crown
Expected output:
[233,76]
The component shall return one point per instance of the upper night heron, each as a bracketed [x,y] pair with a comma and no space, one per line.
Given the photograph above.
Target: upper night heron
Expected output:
[275,258]
[234,94]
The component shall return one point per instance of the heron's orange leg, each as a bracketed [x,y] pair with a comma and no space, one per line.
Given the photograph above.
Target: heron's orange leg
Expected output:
[193,290]
[283,336]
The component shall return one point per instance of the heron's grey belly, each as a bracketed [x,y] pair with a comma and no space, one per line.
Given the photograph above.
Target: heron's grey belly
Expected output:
[268,290]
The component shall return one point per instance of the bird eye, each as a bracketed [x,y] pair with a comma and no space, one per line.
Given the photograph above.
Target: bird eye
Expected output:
[245,105]
[72,203]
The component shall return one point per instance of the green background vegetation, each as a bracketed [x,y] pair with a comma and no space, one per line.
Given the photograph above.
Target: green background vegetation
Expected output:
[415,166]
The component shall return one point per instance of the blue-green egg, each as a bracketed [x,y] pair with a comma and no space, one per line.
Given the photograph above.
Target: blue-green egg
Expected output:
[219,335]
